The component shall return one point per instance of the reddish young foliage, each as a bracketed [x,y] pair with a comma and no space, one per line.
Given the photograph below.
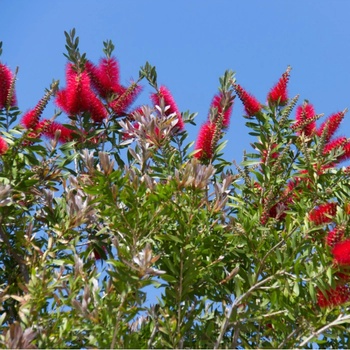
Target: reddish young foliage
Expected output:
[251,105]
[204,141]
[165,94]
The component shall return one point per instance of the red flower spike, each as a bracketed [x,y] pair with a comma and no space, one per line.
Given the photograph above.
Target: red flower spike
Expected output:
[65,136]
[303,114]
[341,252]
[217,103]
[76,97]
[204,141]
[346,154]
[3,146]
[338,142]
[251,105]
[97,109]
[278,94]
[168,101]
[6,78]
[30,119]
[323,214]
[105,77]
[125,99]
[333,124]
[337,296]
[335,236]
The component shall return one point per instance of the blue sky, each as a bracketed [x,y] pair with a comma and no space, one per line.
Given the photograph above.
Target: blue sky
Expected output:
[192,43]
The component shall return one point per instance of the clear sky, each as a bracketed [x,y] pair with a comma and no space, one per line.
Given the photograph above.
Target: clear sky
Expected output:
[192,43]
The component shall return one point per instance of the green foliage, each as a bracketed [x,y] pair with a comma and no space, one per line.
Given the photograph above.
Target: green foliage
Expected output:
[88,228]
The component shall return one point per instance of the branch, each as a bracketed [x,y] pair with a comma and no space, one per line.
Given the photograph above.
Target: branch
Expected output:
[13,253]
[341,318]
[236,303]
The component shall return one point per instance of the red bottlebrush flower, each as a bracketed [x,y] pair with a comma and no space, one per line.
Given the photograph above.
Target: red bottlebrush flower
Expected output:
[125,99]
[97,109]
[338,142]
[3,146]
[75,98]
[218,104]
[323,214]
[51,128]
[78,96]
[303,114]
[346,154]
[30,119]
[204,141]
[6,78]
[278,94]
[341,252]
[337,296]
[333,124]
[105,77]
[164,93]
[335,236]
[251,105]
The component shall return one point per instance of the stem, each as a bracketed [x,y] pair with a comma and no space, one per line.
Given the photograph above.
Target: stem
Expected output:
[119,316]
[180,344]
[13,253]
[339,319]
[235,304]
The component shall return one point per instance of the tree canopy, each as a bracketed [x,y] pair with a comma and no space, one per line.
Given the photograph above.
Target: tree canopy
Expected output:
[119,203]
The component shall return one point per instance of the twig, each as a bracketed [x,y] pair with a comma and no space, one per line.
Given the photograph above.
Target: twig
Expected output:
[340,318]
[235,304]
[13,253]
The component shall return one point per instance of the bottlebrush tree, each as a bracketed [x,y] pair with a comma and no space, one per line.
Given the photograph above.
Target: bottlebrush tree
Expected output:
[252,254]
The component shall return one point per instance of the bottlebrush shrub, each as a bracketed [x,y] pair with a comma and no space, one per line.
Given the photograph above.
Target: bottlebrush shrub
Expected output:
[116,233]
